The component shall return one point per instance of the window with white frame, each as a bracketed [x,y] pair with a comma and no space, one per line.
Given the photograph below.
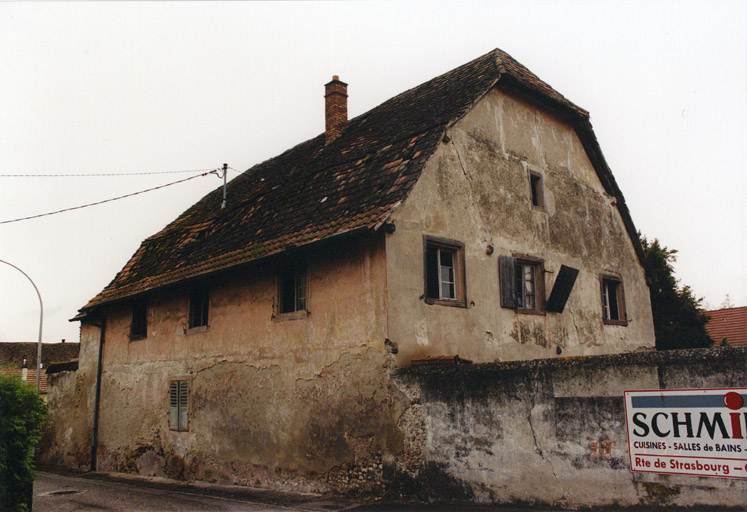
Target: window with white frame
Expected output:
[522,284]
[613,301]
[444,272]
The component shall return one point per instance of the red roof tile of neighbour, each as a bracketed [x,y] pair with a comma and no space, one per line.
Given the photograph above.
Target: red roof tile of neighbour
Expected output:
[30,377]
[315,191]
[728,323]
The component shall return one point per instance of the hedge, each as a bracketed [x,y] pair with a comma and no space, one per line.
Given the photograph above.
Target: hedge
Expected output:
[22,412]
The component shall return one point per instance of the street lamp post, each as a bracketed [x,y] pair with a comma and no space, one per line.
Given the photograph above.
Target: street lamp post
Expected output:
[41,322]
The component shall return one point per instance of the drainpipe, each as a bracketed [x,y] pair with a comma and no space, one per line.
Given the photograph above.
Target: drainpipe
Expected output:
[95,429]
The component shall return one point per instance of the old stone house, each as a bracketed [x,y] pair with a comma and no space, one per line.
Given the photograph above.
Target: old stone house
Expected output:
[473,215]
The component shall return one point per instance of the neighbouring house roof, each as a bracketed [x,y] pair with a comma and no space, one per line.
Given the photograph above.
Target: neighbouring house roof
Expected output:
[730,323]
[13,354]
[315,191]
[30,377]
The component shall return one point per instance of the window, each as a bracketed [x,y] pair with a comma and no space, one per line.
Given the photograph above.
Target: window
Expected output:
[199,300]
[613,301]
[444,272]
[535,187]
[179,405]
[139,322]
[292,289]
[522,284]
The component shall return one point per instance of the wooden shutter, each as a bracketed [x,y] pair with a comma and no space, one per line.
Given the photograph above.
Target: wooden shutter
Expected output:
[174,405]
[507,275]
[183,405]
[561,290]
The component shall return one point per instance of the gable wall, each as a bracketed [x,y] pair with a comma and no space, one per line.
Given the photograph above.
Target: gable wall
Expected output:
[475,189]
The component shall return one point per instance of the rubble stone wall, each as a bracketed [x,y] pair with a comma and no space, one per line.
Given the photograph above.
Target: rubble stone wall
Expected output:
[553,431]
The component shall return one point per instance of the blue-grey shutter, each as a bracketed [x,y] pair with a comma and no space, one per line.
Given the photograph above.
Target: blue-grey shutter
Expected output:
[561,290]
[183,405]
[507,277]
[174,405]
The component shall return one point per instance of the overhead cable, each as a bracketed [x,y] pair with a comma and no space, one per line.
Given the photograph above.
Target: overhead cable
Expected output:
[213,171]
[98,175]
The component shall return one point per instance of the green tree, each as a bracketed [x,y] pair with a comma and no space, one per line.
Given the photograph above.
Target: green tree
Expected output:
[679,318]
[22,412]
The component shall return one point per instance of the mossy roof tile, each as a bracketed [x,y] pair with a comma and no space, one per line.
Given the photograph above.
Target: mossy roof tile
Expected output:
[315,190]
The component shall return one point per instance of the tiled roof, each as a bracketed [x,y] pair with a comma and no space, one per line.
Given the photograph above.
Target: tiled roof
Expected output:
[30,377]
[728,323]
[14,353]
[315,191]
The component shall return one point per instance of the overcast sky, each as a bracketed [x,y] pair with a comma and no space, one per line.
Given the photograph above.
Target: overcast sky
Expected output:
[102,87]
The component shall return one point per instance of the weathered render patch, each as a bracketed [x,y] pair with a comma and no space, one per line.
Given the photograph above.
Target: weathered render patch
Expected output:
[553,432]
[475,190]
[261,426]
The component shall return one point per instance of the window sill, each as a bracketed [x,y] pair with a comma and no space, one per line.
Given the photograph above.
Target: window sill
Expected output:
[535,312]
[447,302]
[293,315]
[137,338]
[539,209]
[198,329]
[615,322]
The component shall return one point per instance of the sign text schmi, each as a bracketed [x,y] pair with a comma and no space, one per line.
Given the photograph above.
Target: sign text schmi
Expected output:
[689,431]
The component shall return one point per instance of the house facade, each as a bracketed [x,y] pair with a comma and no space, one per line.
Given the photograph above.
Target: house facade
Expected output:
[473,215]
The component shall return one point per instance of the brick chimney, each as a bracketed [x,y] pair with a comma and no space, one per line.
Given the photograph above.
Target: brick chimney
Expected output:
[335,108]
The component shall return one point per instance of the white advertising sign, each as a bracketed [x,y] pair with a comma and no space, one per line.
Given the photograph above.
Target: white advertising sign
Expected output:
[688,432]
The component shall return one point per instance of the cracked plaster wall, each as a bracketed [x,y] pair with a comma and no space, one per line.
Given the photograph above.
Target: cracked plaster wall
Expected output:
[526,432]
[475,190]
[304,403]
[66,438]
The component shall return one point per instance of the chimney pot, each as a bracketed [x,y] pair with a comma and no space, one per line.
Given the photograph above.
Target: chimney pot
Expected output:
[335,108]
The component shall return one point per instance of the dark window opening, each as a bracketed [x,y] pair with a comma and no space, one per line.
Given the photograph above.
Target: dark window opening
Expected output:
[535,185]
[292,289]
[179,405]
[199,301]
[139,323]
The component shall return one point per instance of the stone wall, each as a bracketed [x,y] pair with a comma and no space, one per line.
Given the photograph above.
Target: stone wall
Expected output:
[551,431]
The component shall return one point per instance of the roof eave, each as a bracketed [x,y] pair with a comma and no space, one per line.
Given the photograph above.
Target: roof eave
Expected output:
[89,311]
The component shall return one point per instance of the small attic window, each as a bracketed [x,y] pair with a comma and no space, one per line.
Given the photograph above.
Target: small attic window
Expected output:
[535,187]
[199,302]
[292,284]
[139,322]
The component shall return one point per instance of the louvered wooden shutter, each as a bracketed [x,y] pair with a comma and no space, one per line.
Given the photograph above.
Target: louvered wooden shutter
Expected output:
[561,290]
[183,405]
[507,275]
[174,405]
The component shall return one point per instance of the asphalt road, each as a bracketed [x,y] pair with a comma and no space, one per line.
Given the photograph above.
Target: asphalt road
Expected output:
[102,492]
[58,493]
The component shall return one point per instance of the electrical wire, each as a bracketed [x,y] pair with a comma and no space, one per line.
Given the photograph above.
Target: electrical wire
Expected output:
[213,171]
[98,175]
